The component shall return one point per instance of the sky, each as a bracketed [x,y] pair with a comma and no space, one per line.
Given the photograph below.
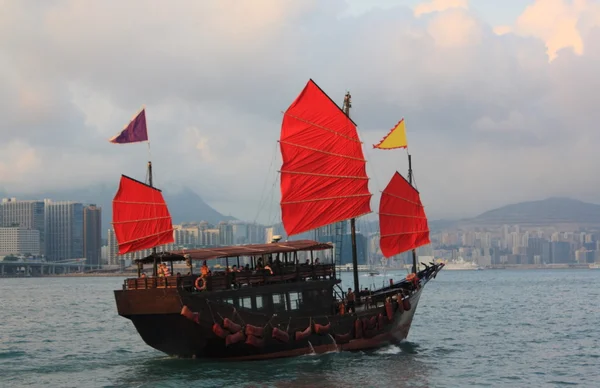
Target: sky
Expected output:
[500,101]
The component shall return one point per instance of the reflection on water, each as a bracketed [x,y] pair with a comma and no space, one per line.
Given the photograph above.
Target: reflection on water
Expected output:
[392,366]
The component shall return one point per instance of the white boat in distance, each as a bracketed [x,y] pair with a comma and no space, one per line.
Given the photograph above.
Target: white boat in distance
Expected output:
[462,265]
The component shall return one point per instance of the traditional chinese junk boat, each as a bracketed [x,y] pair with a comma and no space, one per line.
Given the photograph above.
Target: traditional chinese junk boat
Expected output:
[286,308]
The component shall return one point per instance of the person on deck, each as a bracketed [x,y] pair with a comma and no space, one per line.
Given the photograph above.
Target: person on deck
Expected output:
[268,269]
[204,271]
[350,299]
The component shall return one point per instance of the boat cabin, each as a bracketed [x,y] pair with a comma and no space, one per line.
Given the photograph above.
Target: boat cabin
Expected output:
[260,277]
[274,280]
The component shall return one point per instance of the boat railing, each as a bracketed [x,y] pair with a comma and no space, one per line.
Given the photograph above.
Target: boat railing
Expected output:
[223,281]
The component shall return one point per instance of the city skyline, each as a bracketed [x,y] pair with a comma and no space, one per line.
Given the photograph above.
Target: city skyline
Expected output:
[490,101]
[67,230]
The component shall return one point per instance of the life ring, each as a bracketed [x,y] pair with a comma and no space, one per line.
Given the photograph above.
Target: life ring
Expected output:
[200,286]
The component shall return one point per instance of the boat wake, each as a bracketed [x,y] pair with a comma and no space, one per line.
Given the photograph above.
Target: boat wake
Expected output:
[390,349]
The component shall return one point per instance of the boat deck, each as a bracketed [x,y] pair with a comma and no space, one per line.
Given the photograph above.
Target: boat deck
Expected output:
[231,280]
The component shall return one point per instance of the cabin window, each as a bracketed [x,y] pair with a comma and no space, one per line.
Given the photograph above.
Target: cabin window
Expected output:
[295,300]
[259,302]
[279,302]
[230,301]
[246,302]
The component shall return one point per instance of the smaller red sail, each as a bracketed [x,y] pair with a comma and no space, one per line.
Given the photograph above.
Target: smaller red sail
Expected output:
[402,220]
[141,218]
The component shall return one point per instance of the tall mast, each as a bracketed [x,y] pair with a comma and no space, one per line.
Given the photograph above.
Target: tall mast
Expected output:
[346,108]
[155,266]
[410,180]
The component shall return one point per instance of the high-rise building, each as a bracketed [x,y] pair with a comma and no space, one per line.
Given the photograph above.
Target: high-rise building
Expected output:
[19,241]
[64,230]
[92,234]
[225,234]
[561,252]
[240,233]
[186,235]
[24,214]
[256,234]
[112,251]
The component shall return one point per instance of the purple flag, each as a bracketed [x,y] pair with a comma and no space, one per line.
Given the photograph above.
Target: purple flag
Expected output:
[134,131]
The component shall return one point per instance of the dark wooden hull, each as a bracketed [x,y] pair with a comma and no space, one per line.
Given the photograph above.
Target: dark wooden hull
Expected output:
[157,317]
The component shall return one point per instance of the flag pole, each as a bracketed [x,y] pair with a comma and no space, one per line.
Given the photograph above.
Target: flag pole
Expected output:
[151,184]
[410,180]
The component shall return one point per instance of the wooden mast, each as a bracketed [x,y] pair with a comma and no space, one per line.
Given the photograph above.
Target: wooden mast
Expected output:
[155,265]
[346,109]
[410,180]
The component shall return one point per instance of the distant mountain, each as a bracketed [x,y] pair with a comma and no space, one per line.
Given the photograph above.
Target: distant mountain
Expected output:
[551,211]
[185,205]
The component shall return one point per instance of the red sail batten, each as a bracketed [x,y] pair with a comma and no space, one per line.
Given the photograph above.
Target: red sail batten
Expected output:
[402,220]
[323,176]
[141,218]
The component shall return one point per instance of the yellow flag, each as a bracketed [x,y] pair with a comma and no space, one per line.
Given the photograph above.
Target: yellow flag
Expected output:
[395,139]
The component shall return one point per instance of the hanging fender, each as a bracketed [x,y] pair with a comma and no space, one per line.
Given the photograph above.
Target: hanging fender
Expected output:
[189,314]
[369,323]
[389,311]
[231,326]
[254,330]
[372,323]
[380,321]
[406,304]
[219,331]
[342,309]
[322,329]
[280,335]
[400,304]
[358,329]
[255,341]
[300,335]
[235,338]
[343,338]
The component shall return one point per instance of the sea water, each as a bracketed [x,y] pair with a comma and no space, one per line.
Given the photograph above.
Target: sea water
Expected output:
[495,328]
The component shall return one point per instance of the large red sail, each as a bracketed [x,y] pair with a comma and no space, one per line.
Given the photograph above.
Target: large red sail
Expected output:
[323,176]
[402,220]
[141,218]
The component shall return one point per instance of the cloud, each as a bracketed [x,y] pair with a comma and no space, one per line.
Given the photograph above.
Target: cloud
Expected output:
[559,23]
[439,5]
[489,119]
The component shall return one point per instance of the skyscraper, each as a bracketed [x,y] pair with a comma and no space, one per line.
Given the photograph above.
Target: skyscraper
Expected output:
[92,234]
[24,214]
[64,230]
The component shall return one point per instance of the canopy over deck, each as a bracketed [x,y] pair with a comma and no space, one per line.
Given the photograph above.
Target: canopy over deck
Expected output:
[241,250]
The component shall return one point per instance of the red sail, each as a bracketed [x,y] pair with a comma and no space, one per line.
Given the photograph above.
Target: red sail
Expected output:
[323,177]
[140,217]
[402,220]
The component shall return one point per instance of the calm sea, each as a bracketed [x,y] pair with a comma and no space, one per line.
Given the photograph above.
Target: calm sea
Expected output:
[495,328]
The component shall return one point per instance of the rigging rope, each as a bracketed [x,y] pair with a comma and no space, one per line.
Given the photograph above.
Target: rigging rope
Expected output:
[262,204]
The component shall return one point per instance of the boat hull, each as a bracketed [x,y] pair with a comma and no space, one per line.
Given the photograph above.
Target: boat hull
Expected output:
[176,335]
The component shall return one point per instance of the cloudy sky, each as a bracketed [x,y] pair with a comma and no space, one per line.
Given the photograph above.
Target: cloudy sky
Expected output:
[501,101]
